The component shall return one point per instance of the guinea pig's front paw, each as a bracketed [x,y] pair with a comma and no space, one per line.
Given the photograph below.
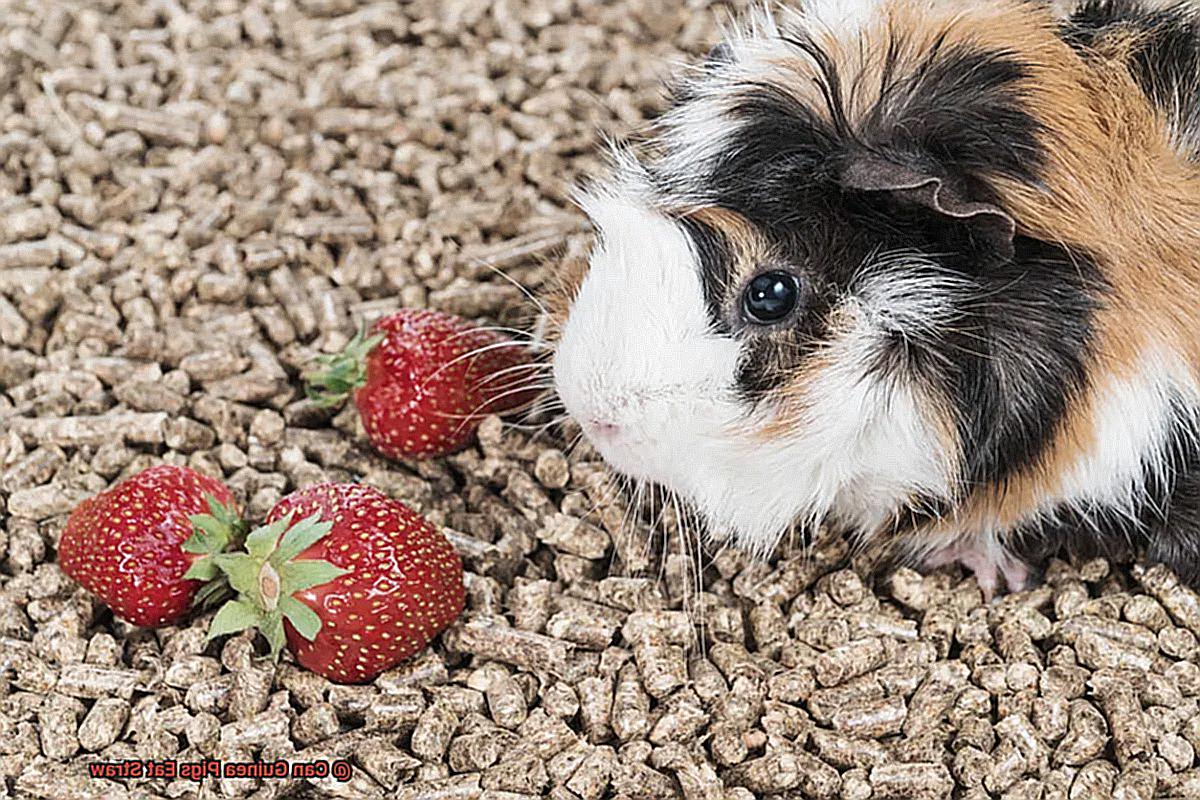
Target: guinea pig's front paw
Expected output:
[987,561]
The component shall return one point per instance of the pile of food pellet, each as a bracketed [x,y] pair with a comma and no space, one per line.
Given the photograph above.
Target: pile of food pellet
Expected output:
[198,197]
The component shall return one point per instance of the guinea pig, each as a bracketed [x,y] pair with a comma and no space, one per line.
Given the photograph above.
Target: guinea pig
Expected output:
[926,272]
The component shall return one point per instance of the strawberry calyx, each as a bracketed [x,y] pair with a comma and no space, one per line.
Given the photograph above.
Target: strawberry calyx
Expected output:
[212,533]
[267,576]
[341,373]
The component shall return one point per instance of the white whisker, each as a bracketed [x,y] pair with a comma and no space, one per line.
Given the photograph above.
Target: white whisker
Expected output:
[541,307]
[532,366]
[478,351]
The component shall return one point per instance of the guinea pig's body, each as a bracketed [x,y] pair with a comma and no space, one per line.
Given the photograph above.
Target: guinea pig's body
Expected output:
[926,271]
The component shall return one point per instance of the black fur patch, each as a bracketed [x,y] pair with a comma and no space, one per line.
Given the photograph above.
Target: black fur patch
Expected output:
[965,109]
[1012,385]
[1164,522]
[777,161]
[712,251]
[1165,60]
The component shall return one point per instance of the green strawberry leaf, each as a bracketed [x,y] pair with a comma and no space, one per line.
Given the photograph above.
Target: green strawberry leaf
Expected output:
[196,543]
[296,576]
[266,578]
[219,511]
[272,628]
[208,536]
[341,374]
[306,621]
[202,569]
[207,523]
[234,616]
[262,540]
[299,538]
[242,570]
[214,532]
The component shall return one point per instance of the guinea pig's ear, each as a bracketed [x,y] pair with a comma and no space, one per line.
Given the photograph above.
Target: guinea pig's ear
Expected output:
[989,224]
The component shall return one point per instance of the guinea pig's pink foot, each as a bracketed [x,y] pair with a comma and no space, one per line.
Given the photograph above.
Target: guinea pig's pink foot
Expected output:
[987,568]
[1016,574]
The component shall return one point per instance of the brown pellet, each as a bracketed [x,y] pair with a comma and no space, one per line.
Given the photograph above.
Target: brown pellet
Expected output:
[871,719]
[592,776]
[1086,737]
[521,648]
[1127,725]
[431,736]
[1182,603]
[918,780]
[103,723]
[630,706]
[848,752]
[850,660]
[824,703]
[663,668]
[775,772]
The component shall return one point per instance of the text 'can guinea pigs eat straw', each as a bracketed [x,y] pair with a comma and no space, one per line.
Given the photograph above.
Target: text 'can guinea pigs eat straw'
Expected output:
[923,272]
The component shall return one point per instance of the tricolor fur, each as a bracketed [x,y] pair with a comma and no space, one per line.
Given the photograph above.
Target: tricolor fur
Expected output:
[995,221]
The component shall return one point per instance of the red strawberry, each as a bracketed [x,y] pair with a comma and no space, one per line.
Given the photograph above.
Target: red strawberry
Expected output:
[142,546]
[424,379]
[359,583]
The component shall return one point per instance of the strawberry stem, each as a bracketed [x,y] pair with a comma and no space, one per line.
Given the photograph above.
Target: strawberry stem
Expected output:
[267,577]
[268,586]
[341,373]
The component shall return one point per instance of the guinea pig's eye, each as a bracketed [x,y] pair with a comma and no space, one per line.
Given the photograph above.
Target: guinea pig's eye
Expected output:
[771,297]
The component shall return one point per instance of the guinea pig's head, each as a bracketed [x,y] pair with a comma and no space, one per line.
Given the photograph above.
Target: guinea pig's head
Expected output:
[812,295]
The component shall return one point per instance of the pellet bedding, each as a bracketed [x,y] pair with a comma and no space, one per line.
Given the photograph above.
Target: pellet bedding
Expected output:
[197,197]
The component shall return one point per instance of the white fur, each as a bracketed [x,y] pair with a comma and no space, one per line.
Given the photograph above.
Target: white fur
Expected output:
[1130,432]
[844,17]
[873,440]
[637,351]
[696,134]
[916,305]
